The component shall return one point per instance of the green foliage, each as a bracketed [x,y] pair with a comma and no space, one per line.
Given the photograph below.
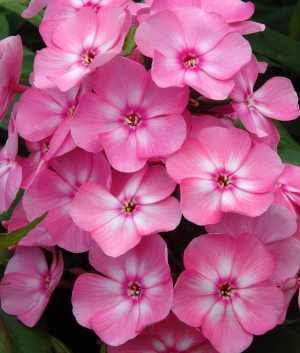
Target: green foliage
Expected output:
[58,346]
[18,7]
[129,43]
[294,24]
[103,348]
[18,338]
[4,26]
[14,237]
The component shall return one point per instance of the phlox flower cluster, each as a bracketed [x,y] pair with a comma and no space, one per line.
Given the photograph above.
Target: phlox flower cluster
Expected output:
[123,151]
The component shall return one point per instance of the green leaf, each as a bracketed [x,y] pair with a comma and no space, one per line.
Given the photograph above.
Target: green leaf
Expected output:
[294,24]
[103,348]
[14,237]
[4,26]
[129,43]
[289,156]
[279,340]
[58,346]
[22,2]
[24,339]
[286,140]
[5,338]
[278,47]
[17,7]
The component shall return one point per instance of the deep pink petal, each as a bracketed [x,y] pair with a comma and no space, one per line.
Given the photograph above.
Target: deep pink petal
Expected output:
[289,288]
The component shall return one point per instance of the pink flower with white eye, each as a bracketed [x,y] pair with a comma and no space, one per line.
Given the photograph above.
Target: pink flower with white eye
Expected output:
[286,192]
[82,43]
[220,171]
[276,99]
[54,190]
[34,7]
[224,290]
[137,290]
[138,204]
[235,12]
[58,11]
[187,45]
[274,228]
[50,111]
[28,283]
[11,57]
[168,335]
[130,116]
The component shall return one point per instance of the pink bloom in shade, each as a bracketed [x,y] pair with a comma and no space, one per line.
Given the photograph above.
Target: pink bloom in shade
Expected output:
[55,189]
[287,190]
[10,172]
[11,57]
[276,99]
[123,118]
[224,290]
[81,44]
[28,283]
[187,45]
[58,11]
[274,229]
[289,289]
[235,12]
[220,171]
[138,204]
[39,236]
[50,111]
[34,7]
[137,291]
[168,335]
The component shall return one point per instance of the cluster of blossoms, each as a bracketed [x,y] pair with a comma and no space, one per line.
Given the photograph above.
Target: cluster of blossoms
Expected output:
[122,145]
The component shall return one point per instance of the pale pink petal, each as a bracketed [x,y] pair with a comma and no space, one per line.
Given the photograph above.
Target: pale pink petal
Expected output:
[223,329]
[277,99]
[258,307]
[246,27]
[162,216]
[286,253]
[160,136]
[143,342]
[34,7]
[235,52]
[193,298]
[200,201]
[93,293]
[191,160]
[256,174]
[161,32]
[156,185]
[254,263]
[212,256]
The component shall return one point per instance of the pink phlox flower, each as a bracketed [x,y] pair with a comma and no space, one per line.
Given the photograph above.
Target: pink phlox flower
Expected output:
[55,189]
[28,283]
[130,116]
[39,236]
[138,204]
[220,171]
[235,12]
[168,335]
[81,44]
[225,290]
[187,45]
[58,11]
[11,57]
[34,7]
[287,190]
[50,111]
[137,291]
[276,99]
[274,228]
